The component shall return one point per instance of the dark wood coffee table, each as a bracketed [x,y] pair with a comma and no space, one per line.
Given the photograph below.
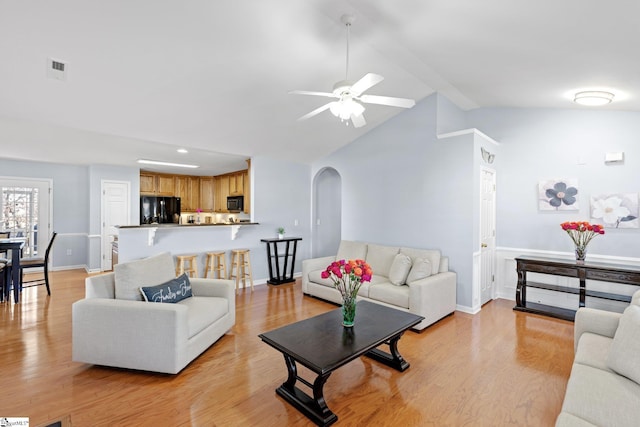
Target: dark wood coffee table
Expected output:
[323,345]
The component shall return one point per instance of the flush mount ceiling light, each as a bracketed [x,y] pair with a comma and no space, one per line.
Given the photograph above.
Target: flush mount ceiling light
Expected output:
[158,163]
[593,98]
[182,150]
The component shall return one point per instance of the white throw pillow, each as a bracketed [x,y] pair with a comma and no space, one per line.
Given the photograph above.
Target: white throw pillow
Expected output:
[421,268]
[399,270]
[623,355]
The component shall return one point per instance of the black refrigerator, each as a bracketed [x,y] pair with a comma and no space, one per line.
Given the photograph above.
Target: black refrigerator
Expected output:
[161,210]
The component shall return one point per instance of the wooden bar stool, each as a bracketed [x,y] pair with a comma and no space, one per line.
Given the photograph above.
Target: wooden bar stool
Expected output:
[216,265]
[187,264]
[242,263]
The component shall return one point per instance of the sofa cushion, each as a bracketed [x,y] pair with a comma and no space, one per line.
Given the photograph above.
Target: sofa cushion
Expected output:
[431,254]
[203,311]
[380,258]
[602,398]
[130,276]
[170,292]
[420,269]
[623,357]
[351,250]
[399,270]
[593,350]
[391,294]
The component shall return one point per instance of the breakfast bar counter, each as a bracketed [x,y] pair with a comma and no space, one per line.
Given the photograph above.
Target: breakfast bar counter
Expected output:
[139,241]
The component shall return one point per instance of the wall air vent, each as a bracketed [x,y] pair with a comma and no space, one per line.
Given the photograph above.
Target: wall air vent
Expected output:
[57,69]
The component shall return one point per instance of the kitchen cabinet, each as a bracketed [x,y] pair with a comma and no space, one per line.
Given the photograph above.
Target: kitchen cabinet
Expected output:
[165,185]
[247,192]
[147,183]
[206,194]
[236,184]
[157,184]
[223,185]
[188,189]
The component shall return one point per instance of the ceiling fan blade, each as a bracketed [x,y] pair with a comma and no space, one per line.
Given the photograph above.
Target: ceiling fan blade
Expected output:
[307,92]
[316,111]
[368,81]
[358,121]
[388,100]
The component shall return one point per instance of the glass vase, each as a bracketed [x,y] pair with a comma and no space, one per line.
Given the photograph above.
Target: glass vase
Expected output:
[581,254]
[348,311]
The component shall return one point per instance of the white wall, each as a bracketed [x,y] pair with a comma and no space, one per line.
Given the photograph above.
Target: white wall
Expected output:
[70,207]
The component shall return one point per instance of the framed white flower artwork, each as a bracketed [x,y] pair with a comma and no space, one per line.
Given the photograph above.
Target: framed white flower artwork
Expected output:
[558,195]
[617,210]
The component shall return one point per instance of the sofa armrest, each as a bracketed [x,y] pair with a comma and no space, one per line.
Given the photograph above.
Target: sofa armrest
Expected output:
[313,264]
[213,288]
[132,334]
[596,321]
[433,297]
[100,286]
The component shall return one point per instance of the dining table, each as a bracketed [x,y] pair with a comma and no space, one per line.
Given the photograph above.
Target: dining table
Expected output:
[14,245]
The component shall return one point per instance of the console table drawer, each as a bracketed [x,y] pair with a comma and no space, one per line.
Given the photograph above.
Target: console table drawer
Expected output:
[549,269]
[614,276]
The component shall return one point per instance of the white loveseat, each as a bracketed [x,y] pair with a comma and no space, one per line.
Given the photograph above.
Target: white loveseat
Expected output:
[604,386]
[114,326]
[413,280]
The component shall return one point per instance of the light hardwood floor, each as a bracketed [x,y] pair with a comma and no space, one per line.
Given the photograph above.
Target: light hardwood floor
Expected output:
[498,367]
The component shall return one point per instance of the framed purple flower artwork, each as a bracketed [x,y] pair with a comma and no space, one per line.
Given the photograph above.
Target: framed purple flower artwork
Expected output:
[616,210]
[558,195]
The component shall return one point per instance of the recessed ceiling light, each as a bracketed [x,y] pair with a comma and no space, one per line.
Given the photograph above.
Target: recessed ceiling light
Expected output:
[156,162]
[182,150]
[593,98]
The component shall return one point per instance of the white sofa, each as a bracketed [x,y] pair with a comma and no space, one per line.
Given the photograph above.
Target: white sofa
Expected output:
[604,388]
[429,290]
[114,326]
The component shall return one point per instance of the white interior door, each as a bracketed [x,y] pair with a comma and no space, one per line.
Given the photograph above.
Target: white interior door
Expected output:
[116,210]
[487,234]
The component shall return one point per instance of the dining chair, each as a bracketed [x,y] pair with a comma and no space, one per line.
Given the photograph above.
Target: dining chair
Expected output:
[37,262]
[4,235]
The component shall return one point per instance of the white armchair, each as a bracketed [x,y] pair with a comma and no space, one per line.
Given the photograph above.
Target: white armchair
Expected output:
[158,337]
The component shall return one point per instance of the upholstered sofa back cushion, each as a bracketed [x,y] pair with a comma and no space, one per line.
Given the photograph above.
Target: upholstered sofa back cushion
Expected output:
[351,250]
[432,255]
[130,276]
[380,258]
[623,356]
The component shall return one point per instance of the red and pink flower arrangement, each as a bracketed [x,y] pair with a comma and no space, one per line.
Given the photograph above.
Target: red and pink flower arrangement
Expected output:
[348,277]
[581,232]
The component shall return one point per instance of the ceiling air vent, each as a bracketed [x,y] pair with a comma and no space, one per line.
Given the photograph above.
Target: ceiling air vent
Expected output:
[56,69]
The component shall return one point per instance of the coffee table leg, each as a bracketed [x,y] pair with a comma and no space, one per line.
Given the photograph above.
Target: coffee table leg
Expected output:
[395,359]
[315,408]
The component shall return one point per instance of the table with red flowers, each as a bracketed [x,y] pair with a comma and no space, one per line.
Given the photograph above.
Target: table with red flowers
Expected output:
[593,271]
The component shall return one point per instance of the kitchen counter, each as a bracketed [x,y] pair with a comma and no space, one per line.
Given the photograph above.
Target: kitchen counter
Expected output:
[218,224]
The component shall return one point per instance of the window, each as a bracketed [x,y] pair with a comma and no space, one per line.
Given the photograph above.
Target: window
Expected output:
[24,212]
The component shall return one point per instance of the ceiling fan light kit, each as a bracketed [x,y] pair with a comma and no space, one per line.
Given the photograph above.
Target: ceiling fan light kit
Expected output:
[350,98]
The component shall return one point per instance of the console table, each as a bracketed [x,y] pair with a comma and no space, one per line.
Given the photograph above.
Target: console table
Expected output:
[623,274]
[276,276]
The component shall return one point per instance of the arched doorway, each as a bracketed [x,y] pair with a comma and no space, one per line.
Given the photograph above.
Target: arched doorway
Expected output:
[327,212]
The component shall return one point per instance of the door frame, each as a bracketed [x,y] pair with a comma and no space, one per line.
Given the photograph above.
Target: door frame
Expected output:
[43,238]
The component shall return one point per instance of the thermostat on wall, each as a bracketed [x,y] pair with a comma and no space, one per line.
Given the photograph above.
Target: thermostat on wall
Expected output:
[614,157]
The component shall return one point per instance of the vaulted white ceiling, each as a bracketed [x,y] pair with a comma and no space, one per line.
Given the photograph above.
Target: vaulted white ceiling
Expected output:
[148,76]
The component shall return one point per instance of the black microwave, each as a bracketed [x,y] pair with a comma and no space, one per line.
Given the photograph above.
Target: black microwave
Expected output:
[235,203]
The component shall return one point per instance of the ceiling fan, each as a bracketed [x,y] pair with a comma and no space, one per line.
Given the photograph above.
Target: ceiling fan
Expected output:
[350,96]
